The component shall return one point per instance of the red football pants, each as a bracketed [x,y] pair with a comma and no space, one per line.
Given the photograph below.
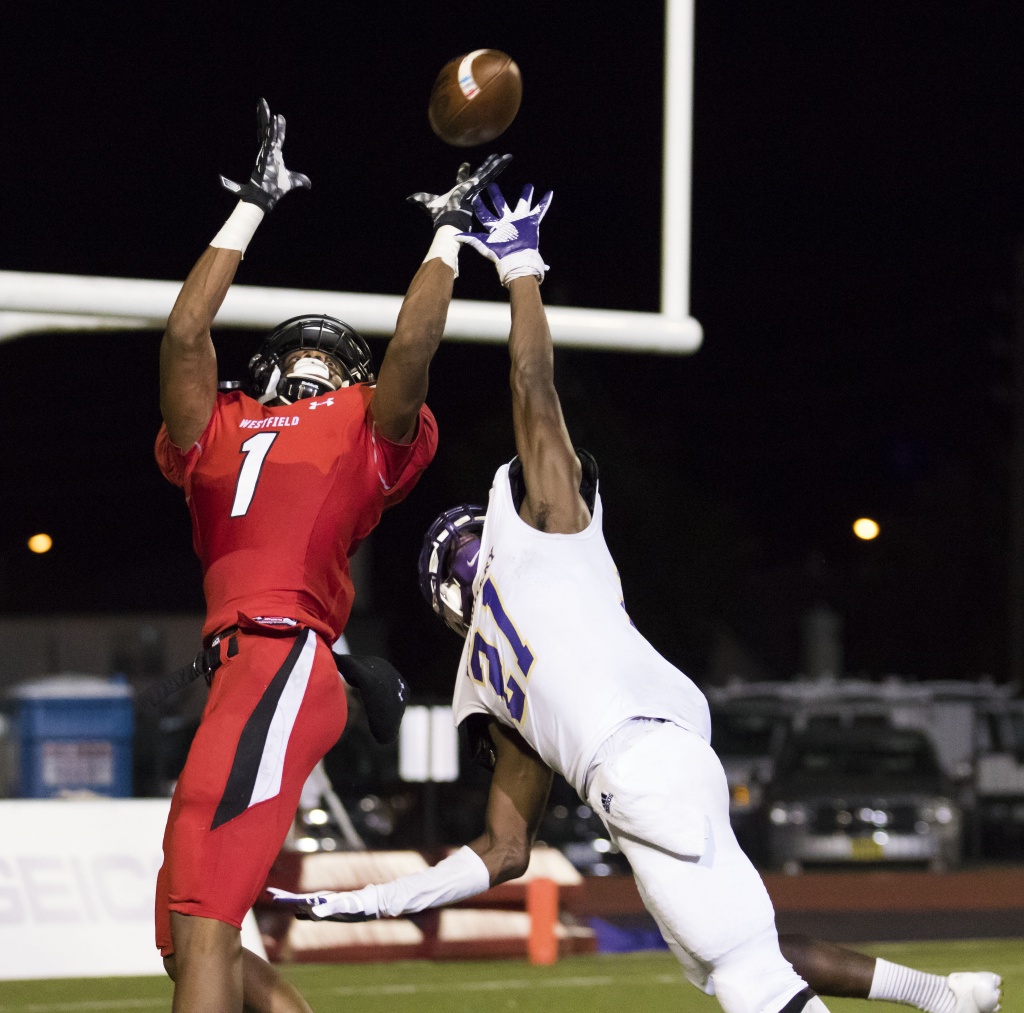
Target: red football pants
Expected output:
[277,704]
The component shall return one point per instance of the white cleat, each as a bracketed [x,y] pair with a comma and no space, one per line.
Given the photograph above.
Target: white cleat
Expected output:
[975,991]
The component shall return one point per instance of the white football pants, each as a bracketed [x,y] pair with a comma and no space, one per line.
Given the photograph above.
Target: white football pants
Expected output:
[662,793]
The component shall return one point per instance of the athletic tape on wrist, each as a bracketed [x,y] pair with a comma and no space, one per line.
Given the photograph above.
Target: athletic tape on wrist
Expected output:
[521,264]
[445,247]
[241,226]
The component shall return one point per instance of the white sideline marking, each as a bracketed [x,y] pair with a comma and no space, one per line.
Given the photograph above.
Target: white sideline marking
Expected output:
[524,984]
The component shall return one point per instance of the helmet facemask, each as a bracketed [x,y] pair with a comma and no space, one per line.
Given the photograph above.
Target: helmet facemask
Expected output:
[336,356]
[305,374]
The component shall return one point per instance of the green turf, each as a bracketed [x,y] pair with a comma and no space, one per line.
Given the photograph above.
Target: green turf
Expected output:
[648,982]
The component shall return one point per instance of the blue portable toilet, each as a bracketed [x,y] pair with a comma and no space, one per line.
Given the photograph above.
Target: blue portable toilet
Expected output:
[74,735]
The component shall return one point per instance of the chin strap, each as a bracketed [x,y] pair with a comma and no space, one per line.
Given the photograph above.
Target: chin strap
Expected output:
[271,392]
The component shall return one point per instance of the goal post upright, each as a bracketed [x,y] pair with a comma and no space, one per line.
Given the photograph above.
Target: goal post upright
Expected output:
[677,160]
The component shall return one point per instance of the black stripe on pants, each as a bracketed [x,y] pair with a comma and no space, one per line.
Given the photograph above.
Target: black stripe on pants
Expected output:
[799,1001]
[246,764]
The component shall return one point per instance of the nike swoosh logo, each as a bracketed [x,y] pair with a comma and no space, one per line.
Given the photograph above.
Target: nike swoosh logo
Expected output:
[476,556]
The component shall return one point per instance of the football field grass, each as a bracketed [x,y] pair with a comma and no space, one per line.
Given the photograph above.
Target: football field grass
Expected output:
[600,984]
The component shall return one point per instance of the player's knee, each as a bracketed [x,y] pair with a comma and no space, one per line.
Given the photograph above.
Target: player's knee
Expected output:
[748,994]
[756,978]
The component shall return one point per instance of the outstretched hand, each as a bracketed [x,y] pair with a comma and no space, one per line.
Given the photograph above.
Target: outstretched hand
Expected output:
[513,234]
[456,206]
[270,179]
[345,906]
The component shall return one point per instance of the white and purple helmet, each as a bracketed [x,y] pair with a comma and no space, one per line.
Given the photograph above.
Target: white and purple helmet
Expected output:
[448,564]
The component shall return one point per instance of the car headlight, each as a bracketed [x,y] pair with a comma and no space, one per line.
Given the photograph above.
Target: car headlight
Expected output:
[787,813]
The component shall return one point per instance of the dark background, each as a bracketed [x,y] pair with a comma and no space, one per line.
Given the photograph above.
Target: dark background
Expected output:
[857,200]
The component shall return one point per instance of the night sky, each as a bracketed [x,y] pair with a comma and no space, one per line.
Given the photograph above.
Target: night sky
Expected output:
[858,196]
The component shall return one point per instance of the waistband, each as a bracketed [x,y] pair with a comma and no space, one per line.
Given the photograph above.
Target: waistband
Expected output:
[618,741]
[267,626]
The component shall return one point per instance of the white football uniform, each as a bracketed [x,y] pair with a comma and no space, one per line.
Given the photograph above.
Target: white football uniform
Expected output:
[552,653]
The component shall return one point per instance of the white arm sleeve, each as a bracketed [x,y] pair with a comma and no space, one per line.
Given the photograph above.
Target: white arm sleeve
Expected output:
[458,876]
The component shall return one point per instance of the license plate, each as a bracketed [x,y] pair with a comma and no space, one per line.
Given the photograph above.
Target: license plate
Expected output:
[864,849]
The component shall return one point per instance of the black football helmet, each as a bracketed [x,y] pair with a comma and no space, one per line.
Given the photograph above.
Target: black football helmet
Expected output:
[309,377]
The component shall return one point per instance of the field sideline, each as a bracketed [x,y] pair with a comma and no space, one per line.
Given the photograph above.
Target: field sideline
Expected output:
[650,982]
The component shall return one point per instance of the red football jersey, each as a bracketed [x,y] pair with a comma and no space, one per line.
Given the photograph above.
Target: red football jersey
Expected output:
[281,497]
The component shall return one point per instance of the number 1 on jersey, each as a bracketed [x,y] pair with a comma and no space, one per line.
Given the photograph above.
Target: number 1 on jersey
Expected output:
[255,449]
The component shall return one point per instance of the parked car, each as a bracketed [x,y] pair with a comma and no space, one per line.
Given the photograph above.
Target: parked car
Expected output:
[861,795]
[747,738]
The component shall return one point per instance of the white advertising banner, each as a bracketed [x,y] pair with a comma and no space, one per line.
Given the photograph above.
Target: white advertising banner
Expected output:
[77,881]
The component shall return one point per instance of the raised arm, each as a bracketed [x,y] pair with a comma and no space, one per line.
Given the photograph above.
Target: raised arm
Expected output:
[188,362]
[402,380]
[515,806]
[551,469]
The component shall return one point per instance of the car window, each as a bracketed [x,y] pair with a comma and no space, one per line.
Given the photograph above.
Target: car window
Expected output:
[735,734]
[892,757]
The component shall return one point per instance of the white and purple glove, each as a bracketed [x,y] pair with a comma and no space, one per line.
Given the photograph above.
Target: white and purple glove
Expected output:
[512,236]
[460,875]
[346,906]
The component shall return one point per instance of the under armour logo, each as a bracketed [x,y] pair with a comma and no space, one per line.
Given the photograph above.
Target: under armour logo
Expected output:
[503,232]
[606,802]
[321,404]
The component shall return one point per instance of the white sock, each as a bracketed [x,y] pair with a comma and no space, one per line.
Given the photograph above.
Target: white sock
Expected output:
[929,992]
[240,227]
[445,247]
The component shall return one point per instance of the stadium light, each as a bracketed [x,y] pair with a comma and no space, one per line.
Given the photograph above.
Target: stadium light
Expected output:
[866,529]
[40,543]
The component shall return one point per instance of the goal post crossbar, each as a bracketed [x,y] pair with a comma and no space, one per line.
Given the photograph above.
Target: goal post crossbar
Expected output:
[43,302]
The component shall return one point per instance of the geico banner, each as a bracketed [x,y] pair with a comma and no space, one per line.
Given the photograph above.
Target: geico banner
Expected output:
[77,880]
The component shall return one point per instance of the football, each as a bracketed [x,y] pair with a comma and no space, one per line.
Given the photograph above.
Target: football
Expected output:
[475,98]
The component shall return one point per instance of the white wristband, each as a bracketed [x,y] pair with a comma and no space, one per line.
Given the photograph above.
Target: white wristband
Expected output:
[240,227]
[445,247]
[460,875]
[522,264]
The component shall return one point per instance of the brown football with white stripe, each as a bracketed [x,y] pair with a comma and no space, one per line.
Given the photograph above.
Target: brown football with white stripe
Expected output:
[475,98]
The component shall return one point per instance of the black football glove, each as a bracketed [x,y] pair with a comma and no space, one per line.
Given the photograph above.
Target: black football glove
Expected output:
[456,206]
[270,180]
[383,690]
